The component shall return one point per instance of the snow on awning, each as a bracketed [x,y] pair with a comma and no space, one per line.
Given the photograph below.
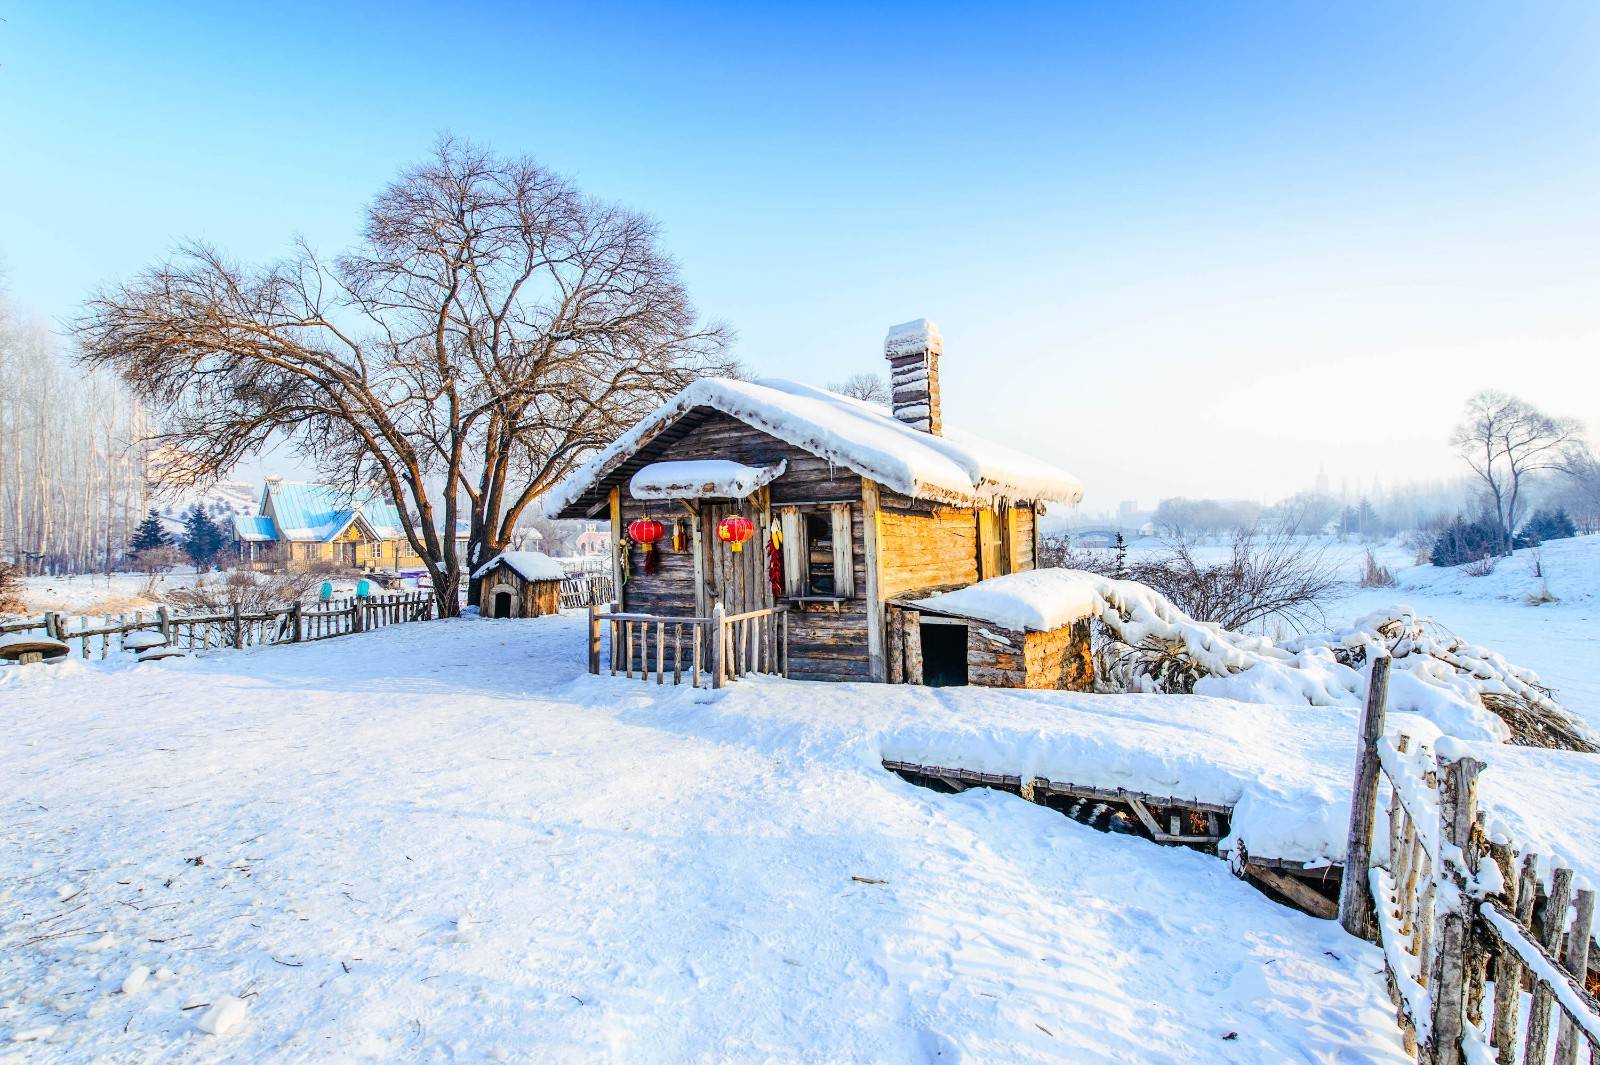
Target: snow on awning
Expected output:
[701,479]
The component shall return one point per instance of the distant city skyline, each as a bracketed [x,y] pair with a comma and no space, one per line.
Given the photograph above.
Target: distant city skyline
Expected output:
[1174,248]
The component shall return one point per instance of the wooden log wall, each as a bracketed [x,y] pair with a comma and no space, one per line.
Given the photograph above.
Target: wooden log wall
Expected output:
[670,590]
[924,548]
[1061,660]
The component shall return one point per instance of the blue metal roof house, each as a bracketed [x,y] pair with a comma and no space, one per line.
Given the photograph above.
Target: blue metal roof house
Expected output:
[301,524]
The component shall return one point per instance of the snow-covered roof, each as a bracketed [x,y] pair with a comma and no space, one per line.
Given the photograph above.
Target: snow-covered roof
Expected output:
[1032,601]
[955,467]
[254,528]
[529,565]
[321,512]
[701,478]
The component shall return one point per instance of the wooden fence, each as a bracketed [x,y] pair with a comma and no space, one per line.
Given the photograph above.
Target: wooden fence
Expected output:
[235,628]
[590,589]
[1466,923]
[723,646]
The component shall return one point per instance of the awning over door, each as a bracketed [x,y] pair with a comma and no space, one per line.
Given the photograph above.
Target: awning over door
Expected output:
[701,479]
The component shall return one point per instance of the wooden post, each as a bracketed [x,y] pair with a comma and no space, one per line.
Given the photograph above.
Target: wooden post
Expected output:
[296,621]
[718,637]
[358,615]
[897,646]
[164,618]
[238,628]
[913,645]
[594,639]
[1549,936]
[1355,896]
[1507,966]
[1458,811]
[52,625]
[1576,962]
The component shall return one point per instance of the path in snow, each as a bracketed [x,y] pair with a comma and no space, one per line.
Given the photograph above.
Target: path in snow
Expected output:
[441,841]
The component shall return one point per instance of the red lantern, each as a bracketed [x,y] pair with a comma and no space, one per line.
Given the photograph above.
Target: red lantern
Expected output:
[645,532]
[734,530]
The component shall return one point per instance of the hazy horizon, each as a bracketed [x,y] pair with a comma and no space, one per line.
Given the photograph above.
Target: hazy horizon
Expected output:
[1175,249]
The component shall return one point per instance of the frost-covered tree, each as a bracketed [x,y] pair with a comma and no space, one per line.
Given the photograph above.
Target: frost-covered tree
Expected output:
[1504,440]
[867,387]
[491,328]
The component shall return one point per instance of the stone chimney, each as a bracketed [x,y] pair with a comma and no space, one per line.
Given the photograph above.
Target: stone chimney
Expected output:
[913,350]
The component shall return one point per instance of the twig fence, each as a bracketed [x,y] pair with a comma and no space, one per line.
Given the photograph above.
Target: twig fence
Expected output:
[592,589]
[235,628]
[723,646]
[1466,928]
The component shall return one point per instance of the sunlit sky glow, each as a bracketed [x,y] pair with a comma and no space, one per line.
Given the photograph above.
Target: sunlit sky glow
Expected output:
[1198,249]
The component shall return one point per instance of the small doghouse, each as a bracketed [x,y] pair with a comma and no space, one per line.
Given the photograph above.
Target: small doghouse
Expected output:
[1021,630]
[519,584]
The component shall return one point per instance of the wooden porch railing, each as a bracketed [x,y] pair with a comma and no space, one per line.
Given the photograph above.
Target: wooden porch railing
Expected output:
[724,647]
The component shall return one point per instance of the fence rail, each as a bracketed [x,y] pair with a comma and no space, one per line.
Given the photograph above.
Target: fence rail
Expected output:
[1466,923]
[723,646]
[235,628]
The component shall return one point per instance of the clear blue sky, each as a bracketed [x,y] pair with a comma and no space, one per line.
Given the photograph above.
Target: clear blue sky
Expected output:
[1183,248]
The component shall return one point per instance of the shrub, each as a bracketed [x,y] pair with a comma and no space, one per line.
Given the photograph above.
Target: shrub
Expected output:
[10,588]
[1464,541]
[249,590]
[1376,575]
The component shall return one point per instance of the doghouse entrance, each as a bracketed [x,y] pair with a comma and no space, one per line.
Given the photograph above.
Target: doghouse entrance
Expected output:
[944,655]
[502,604]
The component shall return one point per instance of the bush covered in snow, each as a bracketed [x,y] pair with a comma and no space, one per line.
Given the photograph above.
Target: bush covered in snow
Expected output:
[1148,644]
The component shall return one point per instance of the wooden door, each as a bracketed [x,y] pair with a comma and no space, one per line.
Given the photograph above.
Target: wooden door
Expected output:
[736,579]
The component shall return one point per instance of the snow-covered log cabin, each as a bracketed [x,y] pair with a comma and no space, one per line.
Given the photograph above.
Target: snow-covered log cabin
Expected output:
[851,508]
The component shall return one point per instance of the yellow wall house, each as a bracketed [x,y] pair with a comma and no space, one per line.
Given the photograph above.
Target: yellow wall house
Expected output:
[301,524]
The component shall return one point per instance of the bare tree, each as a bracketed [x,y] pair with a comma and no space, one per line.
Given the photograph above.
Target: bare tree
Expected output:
[1583,488]
[1504,440]
[492,327]
[867,387]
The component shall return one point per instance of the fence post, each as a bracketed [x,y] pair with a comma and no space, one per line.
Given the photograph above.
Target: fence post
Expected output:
[1458,865]
[594,639]
[238,629]
[294,618]
[52,625]
[717,632]
[165,618]
[358,615]
[1355,894]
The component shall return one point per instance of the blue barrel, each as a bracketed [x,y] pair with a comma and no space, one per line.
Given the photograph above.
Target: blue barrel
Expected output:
[363,589]
[326,592]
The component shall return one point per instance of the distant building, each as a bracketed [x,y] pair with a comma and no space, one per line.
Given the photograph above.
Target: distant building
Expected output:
[301,524]
[594,541]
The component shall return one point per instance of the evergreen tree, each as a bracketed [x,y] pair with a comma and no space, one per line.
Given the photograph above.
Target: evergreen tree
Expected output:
[1546,525]
[202,539]
[1465,541]
[149,535]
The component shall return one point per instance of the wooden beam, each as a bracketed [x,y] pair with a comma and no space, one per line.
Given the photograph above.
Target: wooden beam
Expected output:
[871,532]
[615,499]
[1301,895]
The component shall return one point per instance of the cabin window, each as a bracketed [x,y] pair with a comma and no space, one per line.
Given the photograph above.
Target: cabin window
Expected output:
[819,555]
[818,552]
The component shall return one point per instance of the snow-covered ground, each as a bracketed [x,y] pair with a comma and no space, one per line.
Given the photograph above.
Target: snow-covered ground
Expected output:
[444,841]
[1560,641]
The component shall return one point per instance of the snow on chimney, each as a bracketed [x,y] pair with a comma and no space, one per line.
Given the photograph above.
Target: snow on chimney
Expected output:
[913,350]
